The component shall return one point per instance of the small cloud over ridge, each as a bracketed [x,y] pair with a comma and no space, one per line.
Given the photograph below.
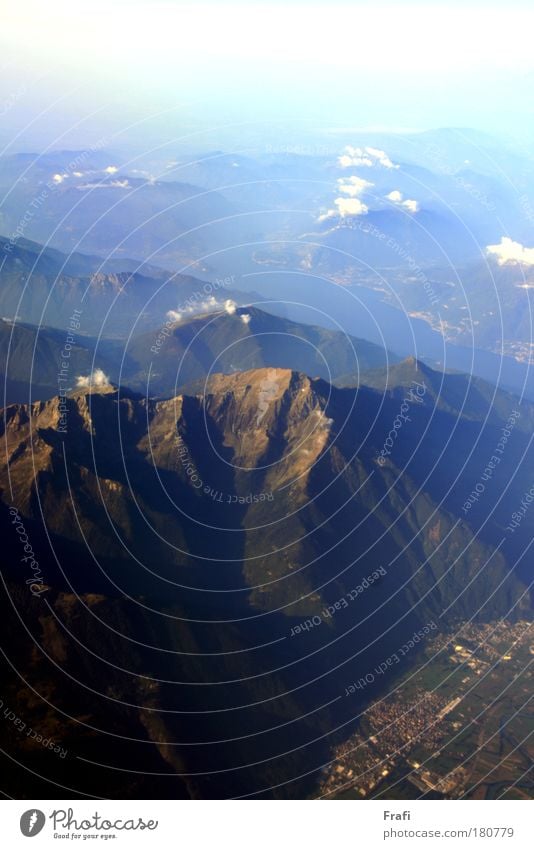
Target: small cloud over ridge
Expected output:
[208,305]
[397,198]
[97,379]
[353,186]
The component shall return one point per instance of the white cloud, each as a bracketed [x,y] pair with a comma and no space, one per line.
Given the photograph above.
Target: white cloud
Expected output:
[508,252]
[350,206]
[364,156]
[210,304]
[381,157]
[354,157]
[353,186]
[345,207]
[397,198]
[111,169]
[230,306]
[97,378]
[245,318]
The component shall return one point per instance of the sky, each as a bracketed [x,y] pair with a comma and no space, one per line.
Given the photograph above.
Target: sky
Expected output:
[98,67]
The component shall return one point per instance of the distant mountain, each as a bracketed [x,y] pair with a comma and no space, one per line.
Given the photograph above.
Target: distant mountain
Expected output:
[449,148]
[461,395]
[38,258]
[244,339]
[182,356]
[266,181]
[43,286]
[38,361]
[389,238]
[374,306]
[20,169]
[165,223]
[484,302]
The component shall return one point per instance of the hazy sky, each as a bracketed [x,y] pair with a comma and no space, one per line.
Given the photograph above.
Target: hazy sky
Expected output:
[397,65]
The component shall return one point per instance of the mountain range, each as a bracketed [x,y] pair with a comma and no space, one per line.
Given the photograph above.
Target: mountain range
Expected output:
[187,540]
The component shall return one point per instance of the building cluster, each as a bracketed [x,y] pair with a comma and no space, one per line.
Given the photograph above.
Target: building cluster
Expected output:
[422,717]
